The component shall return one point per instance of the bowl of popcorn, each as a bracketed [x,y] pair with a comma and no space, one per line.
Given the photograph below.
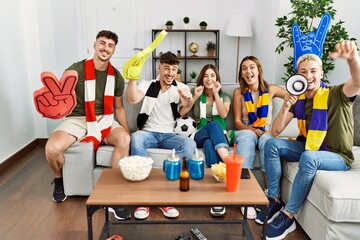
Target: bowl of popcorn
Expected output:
[219,171]
[136,168]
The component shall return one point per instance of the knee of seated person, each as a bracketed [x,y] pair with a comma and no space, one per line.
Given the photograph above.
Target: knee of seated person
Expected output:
[123,140]
[271,143]
[213,124]
[307,159]
[244,135]
[53,149]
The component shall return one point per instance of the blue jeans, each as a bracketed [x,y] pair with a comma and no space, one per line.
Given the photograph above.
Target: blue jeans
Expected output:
[211,137]
[246,144]
[142,140]
[309,163]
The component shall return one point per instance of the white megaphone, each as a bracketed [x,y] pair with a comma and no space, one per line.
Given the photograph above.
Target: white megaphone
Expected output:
[296,85]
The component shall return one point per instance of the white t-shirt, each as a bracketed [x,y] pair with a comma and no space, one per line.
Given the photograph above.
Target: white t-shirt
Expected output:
[161,118]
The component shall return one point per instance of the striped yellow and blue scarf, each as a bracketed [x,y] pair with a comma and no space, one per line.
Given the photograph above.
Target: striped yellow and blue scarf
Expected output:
[257,119]
[319,119]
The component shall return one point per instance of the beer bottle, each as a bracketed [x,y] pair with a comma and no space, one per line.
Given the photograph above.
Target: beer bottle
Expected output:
[184,176]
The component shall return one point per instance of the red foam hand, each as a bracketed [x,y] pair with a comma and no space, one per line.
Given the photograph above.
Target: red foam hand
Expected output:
[57,98]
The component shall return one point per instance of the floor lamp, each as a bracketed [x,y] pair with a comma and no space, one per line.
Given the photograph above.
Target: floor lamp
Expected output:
[238,26]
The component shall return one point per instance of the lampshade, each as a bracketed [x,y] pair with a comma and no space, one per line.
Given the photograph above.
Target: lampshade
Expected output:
[239,26]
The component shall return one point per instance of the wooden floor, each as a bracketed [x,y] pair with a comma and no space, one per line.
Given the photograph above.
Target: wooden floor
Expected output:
[28,212]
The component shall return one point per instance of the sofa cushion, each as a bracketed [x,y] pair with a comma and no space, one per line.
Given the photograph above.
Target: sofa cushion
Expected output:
[104,155]
[334,193]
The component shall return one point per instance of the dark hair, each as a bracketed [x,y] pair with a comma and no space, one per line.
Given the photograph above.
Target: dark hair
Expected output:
[169,58]
[200,79]
[263,85]
[108,34]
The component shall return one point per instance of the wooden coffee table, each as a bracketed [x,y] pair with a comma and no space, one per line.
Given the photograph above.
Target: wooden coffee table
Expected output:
[113,190]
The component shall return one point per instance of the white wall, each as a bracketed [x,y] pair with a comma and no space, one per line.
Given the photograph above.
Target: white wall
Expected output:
[40,35]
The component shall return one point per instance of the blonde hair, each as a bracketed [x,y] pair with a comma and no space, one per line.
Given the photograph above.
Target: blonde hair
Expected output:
[308,57]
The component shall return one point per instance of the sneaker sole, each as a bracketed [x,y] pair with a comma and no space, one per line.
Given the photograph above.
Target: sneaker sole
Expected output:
[59,200]
[287,231]
[116,216]
[269,220]
[169,215]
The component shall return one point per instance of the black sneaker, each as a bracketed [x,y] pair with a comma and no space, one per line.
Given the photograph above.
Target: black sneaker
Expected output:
[217,211]
[120,213]
[59,194]
[273,210]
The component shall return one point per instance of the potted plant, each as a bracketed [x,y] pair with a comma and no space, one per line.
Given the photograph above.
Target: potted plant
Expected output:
[193,75]
[169,25]
[203,25]
[178,53]
[304,13]
[186,21]
[210,48]
[178,75]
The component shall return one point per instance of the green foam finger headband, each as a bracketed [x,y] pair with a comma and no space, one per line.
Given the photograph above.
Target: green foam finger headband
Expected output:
[133,67]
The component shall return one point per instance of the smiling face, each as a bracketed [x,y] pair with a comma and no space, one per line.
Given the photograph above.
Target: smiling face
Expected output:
[167,73]
[312,70]
[250,73]
[209,78]
[104,48]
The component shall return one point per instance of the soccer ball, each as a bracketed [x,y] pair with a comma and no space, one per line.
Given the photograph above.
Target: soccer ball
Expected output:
[185,126]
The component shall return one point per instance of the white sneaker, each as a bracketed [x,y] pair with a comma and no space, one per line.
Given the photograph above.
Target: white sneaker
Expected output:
[141,213]
[251,212]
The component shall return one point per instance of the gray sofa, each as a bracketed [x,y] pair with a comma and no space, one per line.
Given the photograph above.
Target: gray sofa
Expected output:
[331,211]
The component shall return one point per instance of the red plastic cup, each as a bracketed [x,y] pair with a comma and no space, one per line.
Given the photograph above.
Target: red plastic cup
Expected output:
[233,172]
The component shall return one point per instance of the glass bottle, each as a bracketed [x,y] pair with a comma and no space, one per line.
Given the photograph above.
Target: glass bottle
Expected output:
[184,176]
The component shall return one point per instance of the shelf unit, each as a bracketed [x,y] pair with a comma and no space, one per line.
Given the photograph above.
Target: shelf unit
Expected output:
[187,57]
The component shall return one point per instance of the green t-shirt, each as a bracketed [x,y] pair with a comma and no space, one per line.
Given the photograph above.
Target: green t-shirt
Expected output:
[209,116]
[340,132]
[101,76]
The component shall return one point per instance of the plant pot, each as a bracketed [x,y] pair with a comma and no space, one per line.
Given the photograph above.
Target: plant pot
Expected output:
[203,27]
[210,52]
[186,26]
[169,27]
[178,77]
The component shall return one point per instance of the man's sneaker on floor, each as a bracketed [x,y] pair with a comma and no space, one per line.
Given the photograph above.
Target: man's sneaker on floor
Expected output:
[120,213]
[217,211]
[273,211]
[169,212]
[58,194]
[280,227]
[141,213]
[251,212]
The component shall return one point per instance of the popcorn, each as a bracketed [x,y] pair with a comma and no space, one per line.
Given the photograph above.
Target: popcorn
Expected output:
[219,171]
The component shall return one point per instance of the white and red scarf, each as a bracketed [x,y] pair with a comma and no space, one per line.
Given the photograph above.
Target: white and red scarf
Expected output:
[98,131]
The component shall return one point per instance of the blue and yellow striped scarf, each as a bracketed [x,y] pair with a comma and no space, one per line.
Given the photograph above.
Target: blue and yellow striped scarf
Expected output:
[257,119]
[319,119]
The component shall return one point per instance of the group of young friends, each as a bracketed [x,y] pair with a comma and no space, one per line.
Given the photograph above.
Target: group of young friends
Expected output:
[164,100]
